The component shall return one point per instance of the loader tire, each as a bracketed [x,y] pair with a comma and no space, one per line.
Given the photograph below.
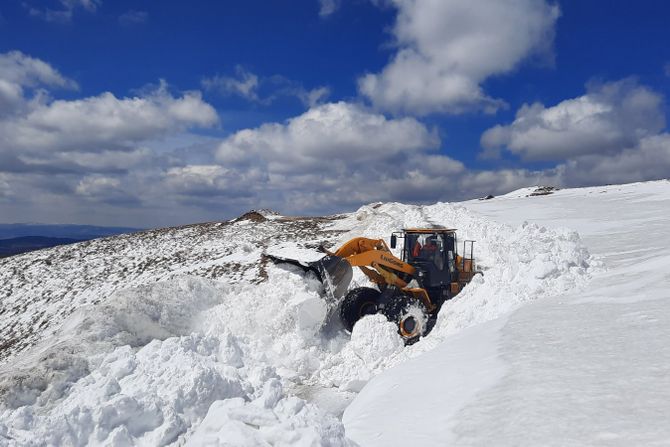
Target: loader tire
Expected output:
[358,303]
[411,317]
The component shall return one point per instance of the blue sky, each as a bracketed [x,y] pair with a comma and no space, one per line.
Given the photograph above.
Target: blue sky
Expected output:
[156,113]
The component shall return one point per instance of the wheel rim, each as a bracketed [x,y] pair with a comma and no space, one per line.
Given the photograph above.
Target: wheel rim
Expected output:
[409,326]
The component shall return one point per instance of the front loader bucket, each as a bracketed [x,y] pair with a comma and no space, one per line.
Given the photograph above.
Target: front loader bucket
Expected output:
[335,274]
[333,271]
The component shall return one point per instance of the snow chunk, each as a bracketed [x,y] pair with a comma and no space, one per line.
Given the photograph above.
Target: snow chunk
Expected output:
[374,338]
[132,317]
[149,397]
[234,422]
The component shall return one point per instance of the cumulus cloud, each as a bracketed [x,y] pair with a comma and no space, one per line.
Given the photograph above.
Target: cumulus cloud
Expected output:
[22,82]
[334,156]
[447,48]
[615,133]
[334,133]
[101,123]
[214,182]
[313,97]
[107,121]
[607,119]
[89,147]
[107,190]
[25,71]
[11,97]
[340,155]
[60,159]
[649,160]
[263,90]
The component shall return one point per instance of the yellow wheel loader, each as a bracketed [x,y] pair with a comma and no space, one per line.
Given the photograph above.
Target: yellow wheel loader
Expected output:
[410,289]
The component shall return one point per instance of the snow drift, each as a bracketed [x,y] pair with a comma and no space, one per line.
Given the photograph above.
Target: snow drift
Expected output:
[250,358]
[585,366]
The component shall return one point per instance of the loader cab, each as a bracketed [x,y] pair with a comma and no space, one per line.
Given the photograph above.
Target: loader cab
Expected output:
[432,252]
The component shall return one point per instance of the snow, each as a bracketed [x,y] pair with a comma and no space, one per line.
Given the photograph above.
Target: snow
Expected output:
[584,366]
[375,338]
[209,344]
[454,373]
[157,394]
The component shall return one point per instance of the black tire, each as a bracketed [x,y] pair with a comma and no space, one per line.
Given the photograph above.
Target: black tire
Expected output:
[411,317]
[358,303]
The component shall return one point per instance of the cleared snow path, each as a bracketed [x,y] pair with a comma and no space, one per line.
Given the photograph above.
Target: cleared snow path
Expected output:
[586,368]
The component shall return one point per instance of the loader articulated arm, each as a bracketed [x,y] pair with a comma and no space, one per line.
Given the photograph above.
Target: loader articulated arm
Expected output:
[376,261]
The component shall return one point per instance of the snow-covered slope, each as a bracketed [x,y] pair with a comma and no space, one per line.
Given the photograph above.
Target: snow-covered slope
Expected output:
[40,289]
[186,335]
[589,366]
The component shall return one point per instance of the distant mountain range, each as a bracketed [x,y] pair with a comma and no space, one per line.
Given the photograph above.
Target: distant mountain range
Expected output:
[17,245]
[20,238]
[82,232]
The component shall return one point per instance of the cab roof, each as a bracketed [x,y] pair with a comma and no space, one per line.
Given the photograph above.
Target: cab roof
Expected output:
[429,230]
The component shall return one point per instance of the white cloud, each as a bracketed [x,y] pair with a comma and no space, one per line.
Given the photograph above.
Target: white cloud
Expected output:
[249,86]
[101,161]
[66,10]
[25,71]
[244,85]
[11,97]
[59,159]
[335,133]
[214,182]
[98,134]
[94,185]
[328,7]
[332,157]
[133,17]
[22,76]
[607,119]
[649,160]
[447,48]
[104,122]
[612,134]
[338,156]
[312,98]
[97,189]
[89,5]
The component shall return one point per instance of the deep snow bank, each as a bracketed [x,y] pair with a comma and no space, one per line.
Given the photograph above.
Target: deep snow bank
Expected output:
[520,264]
[126,373]
[217,361]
